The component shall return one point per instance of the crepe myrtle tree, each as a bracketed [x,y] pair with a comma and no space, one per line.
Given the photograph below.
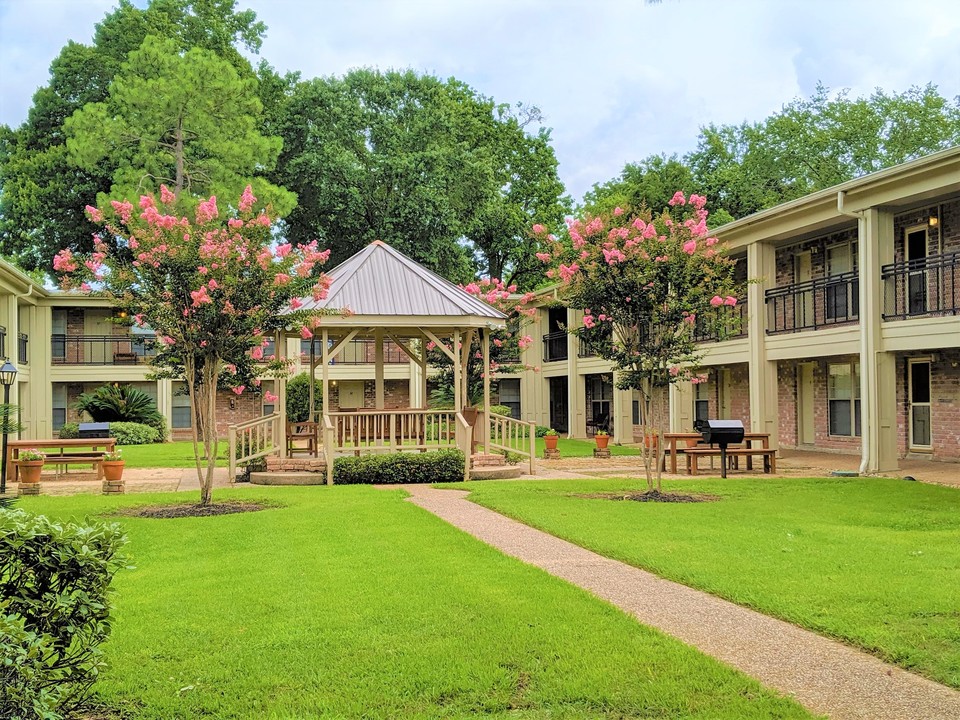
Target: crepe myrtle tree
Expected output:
[211,285]
[645,283]
[505,343]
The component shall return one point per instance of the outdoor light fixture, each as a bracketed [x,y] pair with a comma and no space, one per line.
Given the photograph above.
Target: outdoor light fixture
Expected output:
[8,376]
[933,221]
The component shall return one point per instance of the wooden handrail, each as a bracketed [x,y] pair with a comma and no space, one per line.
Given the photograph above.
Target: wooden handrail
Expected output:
[255,438]
[465,440]
[514,436]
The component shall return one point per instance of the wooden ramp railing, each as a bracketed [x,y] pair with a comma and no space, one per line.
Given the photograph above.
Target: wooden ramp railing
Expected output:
[514,436]
[253,439]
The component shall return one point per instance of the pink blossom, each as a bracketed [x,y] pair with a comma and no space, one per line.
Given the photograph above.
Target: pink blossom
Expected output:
[123,209]
[200,296]
[268,397]
[588,321]
[568,271]
[305,333]
[613,256]
[166,196]
[239,389]
[544,257]
[650,231]
[213,284]
[674,370]
[677,199]
[207,210]
[497,342]
[167,340]
[690,247]
[618,211]
[63,261]
[94,214]
[730,300]
[698,201]
[295,303]
[85,287]
[256,353]
[716,301]
[524,342]
[231,368]
[284,250]
[539,229]
[711,241]
[690,319]
[247,199]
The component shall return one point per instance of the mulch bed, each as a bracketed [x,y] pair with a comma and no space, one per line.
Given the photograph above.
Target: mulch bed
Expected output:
[182,510]
[652,496]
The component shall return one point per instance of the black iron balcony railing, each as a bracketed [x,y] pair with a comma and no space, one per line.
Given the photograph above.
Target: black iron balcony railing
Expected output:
[101,349]
[361,351]
[813,304]
[555,346]
[928,286]
[3,341]
[734,317]
[22,347]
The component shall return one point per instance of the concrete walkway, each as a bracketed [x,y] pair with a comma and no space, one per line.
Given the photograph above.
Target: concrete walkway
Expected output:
[825,676]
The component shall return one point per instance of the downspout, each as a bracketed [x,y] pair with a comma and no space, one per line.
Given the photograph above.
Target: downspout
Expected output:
[866,435]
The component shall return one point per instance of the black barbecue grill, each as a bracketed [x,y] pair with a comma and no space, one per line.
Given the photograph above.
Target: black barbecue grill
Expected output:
[94,430]
[721,433]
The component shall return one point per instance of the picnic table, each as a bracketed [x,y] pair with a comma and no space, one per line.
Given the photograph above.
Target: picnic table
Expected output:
[672,439]
[65,452]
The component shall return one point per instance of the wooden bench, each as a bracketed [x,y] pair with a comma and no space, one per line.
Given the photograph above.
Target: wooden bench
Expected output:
[61,460]
[694,454]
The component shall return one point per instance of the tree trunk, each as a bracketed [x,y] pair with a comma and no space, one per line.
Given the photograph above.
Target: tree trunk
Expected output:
[179,156]
[189,369]
[210,440]
[647,452]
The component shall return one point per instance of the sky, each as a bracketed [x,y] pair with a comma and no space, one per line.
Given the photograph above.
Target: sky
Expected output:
[616,80]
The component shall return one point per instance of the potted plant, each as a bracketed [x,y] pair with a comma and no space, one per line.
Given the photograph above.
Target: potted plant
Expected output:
[30,463]
[602,438]
[113,466]
[550,439]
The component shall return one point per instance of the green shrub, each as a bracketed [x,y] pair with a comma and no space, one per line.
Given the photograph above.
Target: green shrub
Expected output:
[399,468]
[122,403]
[54,611]
[501,410]
[298,398]
[131,433]
[70,431]
[542,430]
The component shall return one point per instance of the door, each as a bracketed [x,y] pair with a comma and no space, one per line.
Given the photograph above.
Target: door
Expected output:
[805,402]
[559,416]
[97,329]
[724,391]
[803,307]
[918,378]
[351,394]
[916,254]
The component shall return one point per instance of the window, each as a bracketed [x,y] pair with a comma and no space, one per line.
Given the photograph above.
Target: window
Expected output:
[58,336]
[599,396]
[265,387]
[510,395]
[180,416]
[701,402]
[636,412]
[59,405]
[843,397]
[842,297]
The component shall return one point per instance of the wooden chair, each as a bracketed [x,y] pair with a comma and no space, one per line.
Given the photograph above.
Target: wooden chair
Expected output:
[302,432]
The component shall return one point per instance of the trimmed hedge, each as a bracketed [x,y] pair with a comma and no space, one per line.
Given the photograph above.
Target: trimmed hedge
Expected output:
[126,433]
[501,410]
[399,468]
[54,611]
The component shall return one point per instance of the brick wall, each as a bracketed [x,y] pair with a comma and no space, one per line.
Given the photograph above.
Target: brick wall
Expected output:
[946,230]
[944,406]
[787,403]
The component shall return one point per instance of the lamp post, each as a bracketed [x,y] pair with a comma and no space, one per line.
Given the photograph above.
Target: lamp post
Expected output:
[8,376]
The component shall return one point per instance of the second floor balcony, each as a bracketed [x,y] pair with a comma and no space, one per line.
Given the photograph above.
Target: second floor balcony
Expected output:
[928,286]
[734,319]
[101,349]
[813,304]
[555,346]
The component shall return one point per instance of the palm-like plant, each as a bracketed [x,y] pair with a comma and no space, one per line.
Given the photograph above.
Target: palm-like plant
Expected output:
[121,403]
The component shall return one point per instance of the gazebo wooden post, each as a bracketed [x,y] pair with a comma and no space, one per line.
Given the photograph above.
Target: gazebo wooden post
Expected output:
[378,371]
[328,454]
[313,381]
[279,342]
[485,342]
[425,401]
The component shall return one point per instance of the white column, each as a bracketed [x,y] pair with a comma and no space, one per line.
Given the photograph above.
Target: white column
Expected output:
[485,342]
[764,401]
[457,373]
[878,375]
[378,376]
[622,414]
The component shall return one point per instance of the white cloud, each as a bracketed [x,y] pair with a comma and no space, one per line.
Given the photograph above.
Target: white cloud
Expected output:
[616,79]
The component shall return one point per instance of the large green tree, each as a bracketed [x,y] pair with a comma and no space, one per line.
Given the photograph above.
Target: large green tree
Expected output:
[185,119]
[427,165]
[43,192]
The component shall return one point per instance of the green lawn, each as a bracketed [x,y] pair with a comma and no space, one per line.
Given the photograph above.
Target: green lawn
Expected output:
[873,562]
[171,454]
[350,602]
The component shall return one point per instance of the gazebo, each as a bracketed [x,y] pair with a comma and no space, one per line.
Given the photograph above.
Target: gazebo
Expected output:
[381,295]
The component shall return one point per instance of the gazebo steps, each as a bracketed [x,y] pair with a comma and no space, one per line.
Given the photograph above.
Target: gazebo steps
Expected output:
[280,477]
[493,472]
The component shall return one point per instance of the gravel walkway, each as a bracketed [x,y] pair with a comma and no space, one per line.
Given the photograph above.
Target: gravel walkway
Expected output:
[825,676]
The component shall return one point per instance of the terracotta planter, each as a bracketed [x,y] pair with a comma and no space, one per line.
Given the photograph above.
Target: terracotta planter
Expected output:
[550,441]
[113,470]
[692,442]
[651,441]
[602,441]
[30,470]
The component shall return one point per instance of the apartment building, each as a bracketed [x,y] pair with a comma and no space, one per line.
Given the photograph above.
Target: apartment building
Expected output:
[851,333]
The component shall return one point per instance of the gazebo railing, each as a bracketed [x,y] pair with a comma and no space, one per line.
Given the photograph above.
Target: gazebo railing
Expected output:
[391,430]
[253,439]
[514,436]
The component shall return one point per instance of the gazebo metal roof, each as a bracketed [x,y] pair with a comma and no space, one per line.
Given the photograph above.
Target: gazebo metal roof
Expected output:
[380,281]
